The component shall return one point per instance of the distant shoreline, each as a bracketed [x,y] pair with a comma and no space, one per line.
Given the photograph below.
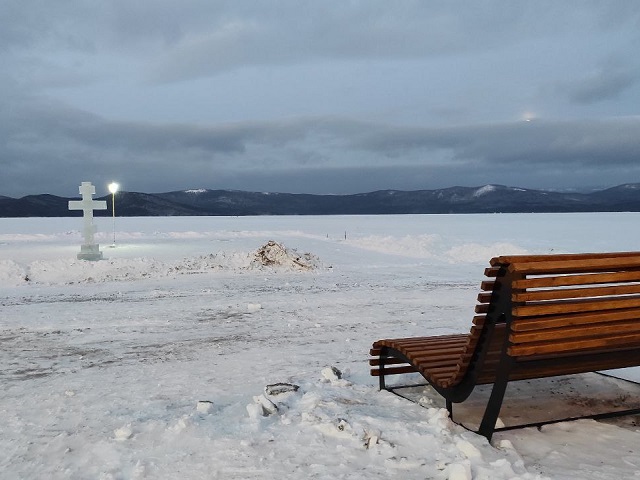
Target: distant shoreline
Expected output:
[452,200]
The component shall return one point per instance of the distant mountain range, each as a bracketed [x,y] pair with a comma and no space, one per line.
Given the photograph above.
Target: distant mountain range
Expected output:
[486,199]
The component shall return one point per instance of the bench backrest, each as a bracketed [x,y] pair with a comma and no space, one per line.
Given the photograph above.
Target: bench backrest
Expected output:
[566,305]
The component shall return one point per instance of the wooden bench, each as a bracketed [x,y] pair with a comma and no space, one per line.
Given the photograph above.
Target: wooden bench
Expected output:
[537,316]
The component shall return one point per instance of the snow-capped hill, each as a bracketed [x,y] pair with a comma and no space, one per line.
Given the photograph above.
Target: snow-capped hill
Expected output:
[486,199]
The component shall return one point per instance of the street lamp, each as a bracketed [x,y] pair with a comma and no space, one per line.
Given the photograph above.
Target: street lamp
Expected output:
[113,188]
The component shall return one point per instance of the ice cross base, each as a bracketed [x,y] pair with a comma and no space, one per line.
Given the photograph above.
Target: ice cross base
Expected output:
[89,249]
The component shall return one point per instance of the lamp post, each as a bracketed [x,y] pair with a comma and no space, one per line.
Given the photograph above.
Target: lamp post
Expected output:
[113,188]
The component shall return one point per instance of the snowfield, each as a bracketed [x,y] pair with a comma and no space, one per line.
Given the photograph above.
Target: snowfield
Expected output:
[226,347]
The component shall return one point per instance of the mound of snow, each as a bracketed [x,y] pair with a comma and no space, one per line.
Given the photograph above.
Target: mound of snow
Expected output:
[375,432]
[12,274]
[274,254]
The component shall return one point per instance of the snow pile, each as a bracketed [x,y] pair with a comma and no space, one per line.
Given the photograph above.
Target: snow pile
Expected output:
[356,429]
[274,254]
[11,273]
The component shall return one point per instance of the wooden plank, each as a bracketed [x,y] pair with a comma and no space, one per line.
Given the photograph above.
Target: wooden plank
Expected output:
[567,369]
[434,353]
[568,365]
[577,345]
[387,361]
[576,266]
[479,320]
[451,357]
[484,297]
[487,285]
[392,371]
[560,307]
[527,324]
[491,271]
[566,293]
[438,374]
[390,342]
[593,355]
[573,280]
[440,345]
[436,368]
[558,335]
[421,346]
[481,308]
[424,344]
[507,259]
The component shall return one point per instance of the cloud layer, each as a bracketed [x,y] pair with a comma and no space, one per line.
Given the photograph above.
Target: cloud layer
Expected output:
[318,97]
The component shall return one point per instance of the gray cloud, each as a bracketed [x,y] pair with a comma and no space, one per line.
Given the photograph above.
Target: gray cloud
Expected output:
[293,32]
[197,37]
[539,141]
[60,147]
[608,82]
[324,97]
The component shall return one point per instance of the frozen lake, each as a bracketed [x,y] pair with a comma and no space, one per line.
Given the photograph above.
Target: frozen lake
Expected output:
[104,363]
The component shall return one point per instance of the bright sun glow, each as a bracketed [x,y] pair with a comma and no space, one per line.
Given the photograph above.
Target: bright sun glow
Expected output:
[113,187]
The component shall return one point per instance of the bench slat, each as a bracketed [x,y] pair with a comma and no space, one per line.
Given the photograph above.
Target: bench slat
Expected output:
[387,361]
[572,280]
[508,259]
[484,297]
[411,340]
[478,320]
[565,346]
[481,308]
[434,350]
[566,293]
[392,371]
[576,364]
[576,266]
[491,271]
[558,335]
[487,286]
[528,324]
[558,307]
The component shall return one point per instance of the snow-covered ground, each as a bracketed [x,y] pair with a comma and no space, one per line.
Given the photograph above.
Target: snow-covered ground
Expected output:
[153,362]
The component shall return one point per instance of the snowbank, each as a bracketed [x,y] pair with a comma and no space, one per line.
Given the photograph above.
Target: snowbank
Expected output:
[270,257]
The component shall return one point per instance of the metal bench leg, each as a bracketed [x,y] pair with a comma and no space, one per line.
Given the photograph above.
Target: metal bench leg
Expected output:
[490,417]
[382,357]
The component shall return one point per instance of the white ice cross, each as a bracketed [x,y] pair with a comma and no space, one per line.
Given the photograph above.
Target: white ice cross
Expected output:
[88,205]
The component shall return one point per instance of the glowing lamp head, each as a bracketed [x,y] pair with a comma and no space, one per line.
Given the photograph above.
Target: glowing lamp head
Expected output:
[113,187]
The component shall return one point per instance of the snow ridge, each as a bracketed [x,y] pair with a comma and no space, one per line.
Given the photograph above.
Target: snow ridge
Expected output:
[273,256]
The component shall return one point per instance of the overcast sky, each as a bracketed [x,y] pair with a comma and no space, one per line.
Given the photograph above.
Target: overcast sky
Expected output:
[332,96]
